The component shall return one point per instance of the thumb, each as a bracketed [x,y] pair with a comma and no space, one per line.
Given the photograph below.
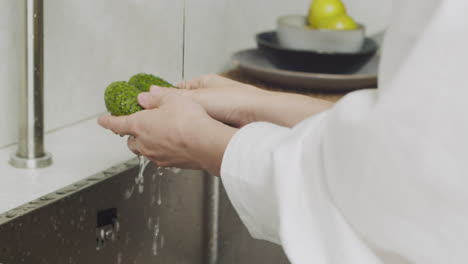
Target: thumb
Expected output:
[154,98]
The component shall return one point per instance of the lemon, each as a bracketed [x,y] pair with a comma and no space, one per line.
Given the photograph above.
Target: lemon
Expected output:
[323,9]
[342,22]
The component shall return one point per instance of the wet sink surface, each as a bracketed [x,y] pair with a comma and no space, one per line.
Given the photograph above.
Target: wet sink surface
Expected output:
[169,217]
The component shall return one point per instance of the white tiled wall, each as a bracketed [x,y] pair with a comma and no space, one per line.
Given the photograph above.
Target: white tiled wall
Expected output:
[88,44]
[218,28]
[11,62]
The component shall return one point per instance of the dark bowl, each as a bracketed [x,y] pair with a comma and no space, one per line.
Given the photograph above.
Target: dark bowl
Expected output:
[310,61]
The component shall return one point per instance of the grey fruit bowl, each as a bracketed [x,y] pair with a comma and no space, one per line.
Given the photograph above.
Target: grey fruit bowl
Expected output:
[311,61]
[293,33]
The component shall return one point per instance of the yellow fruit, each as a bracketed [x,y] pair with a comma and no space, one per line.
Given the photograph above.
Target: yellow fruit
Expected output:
[342,22]
[324,9]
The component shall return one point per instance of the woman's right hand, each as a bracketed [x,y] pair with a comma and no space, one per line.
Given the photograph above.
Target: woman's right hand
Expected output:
[225,100]
[237,104]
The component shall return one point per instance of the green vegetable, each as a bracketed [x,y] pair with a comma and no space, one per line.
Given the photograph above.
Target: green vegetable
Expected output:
[121,99]
[143,82]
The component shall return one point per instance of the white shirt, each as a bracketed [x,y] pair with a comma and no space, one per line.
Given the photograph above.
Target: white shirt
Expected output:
[382,177]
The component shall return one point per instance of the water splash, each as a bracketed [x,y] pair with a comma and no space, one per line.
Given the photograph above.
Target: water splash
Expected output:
[139,180]
[159,193]
[159,174]
[159,171]
[156,238]
[141,188]
[128,193]
[143,163]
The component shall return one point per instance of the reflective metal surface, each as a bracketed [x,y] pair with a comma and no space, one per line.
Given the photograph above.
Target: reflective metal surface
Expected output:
[30,163]
[31,152]
[175,217]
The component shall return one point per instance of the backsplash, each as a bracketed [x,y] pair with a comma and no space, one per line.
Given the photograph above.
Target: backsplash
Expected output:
[218,28]
[89,44]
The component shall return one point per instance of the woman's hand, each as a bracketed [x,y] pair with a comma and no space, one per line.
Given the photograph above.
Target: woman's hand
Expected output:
[177,132]
[239,104]
[228,101]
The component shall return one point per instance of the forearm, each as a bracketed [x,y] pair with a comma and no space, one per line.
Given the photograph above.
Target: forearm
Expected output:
[287,109]
[211,144]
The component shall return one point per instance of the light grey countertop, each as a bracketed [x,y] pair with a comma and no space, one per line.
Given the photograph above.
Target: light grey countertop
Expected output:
[79,151]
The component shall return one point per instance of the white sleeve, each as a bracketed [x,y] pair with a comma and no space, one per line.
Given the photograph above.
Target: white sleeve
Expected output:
[274,178]
[383,173]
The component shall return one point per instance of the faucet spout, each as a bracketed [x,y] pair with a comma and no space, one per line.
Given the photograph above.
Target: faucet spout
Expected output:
[30,153]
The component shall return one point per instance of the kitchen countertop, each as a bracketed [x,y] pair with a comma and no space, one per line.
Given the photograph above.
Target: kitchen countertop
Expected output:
[78,151]
[239,76]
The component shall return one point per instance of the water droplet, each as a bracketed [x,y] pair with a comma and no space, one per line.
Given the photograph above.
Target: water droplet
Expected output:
[129,193]
[159,193]
[156,238]
[150,223]
[80,184]
[11,214]
[143,163]
[47,198]
[155,248]
[119,258]
[116,225]
[140,179]
[66,190]
[93,179]
[160,171]
[176,170]
[159,199]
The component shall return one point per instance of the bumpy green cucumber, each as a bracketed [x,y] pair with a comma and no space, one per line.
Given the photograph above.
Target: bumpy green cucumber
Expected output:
[121,99]
[143,82]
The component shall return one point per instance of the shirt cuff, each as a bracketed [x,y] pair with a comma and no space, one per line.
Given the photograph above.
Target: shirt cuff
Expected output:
[247,176]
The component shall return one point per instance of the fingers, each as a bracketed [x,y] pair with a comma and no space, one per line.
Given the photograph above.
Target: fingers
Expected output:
[155,97]
[204,81]
[122,125]
[191,85]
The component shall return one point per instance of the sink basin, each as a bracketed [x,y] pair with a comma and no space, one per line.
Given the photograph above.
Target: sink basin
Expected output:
[115,217]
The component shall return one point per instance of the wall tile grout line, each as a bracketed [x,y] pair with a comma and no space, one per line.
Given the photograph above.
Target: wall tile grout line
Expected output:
[59,128]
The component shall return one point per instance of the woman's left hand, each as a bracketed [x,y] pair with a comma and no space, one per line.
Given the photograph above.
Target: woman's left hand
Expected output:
[177,133]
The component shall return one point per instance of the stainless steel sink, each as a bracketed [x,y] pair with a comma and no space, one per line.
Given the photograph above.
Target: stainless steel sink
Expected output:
[182,217]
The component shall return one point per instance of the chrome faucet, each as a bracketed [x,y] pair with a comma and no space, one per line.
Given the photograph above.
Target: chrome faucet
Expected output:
[30,153]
